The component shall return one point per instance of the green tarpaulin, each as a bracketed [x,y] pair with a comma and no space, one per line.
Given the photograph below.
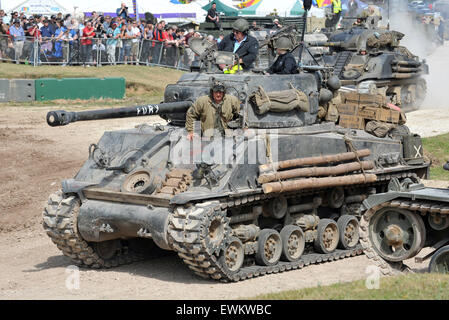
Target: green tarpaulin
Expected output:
[221,7]
[297,9]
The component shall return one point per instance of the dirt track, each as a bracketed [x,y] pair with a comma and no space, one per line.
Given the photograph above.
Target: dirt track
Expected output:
[35,159]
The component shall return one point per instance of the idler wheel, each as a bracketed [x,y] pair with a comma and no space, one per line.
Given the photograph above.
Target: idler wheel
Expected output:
[328,236]
[233,255]
[293,243]
[397,234]
[440,261]
[349,231]
[269,248]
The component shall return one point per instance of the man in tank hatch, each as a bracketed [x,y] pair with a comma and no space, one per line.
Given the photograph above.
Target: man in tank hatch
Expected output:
[214,111]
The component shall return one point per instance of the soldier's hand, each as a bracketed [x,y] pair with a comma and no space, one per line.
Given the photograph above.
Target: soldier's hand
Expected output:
[190,136]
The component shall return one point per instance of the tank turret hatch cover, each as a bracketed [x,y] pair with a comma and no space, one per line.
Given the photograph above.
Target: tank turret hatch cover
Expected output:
[200,46]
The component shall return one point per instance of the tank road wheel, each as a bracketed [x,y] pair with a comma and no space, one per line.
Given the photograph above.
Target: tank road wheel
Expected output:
[59,222]
[349,231]
[328,236]
[269,245]
[233,255]
[293,243]
[440,261]
[396,234]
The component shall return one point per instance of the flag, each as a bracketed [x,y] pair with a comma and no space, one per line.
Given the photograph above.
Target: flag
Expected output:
[323,3]
[136,13]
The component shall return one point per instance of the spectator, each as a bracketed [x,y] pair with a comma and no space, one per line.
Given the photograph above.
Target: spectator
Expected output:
[2,15]
[86,44]
[52,24]
[18,36]
[68,38]
[107,22]
[158,38]
[112,34]
[36,35]
[146,43]
[121,43]
[4,40]
[135,42]
[122,12]
[254,26]
[59,32]
[212,16]
[277,25]
[127,43]
[170,46]
[47,35]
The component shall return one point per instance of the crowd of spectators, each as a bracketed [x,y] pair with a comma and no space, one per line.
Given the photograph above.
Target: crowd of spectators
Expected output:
[93,39]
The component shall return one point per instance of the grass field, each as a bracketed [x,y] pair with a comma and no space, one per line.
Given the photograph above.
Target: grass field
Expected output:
[143,84]
[437,149]
[404,287]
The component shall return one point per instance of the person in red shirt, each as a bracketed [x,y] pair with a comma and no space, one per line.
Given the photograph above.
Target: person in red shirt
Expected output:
[34,32]
[86,43]
[159,36]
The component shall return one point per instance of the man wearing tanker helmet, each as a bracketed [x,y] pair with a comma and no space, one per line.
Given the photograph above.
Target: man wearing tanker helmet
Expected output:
[214,111]
[241,43]
[285,63]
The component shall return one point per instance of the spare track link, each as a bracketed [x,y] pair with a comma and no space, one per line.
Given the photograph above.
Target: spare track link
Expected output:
[422,206]
[59,222]
[188,227]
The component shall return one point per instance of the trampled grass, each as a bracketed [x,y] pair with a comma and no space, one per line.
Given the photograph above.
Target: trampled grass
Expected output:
[404,287]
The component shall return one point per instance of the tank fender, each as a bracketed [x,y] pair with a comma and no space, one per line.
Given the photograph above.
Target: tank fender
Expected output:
[101,221]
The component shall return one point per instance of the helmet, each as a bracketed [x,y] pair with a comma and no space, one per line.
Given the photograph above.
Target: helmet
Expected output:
[218,86]
[334,83]
[283,43]
[241,25]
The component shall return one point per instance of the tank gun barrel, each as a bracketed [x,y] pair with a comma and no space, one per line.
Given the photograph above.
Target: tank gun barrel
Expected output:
[61,117]
[325,44]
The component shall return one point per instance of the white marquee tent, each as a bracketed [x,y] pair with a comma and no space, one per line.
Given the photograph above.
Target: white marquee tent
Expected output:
[163,9]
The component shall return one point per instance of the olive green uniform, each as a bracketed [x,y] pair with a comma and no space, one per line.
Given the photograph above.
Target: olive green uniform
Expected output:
[212,115]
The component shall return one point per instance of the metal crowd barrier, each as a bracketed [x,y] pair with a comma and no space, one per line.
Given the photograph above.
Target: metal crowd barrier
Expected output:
[101,52]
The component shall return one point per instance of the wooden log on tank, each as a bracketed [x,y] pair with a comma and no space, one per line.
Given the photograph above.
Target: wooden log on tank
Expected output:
[316,171]
[314,183]
[340,157]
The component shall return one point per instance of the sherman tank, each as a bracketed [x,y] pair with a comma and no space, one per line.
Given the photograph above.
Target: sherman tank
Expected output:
[373,57]
[282,189]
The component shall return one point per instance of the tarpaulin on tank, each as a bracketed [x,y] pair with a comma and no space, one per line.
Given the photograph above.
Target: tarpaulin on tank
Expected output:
[280,101]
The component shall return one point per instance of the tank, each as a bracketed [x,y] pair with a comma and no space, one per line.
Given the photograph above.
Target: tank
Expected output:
[399,223]
[363,56]
[282,189]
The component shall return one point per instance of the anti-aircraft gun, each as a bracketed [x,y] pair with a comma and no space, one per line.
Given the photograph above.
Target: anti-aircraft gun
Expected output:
[373,58]
[281,190]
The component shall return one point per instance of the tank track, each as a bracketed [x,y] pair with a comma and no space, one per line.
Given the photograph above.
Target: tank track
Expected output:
[421,207]
[59,222]
[188,236]
[188,231]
